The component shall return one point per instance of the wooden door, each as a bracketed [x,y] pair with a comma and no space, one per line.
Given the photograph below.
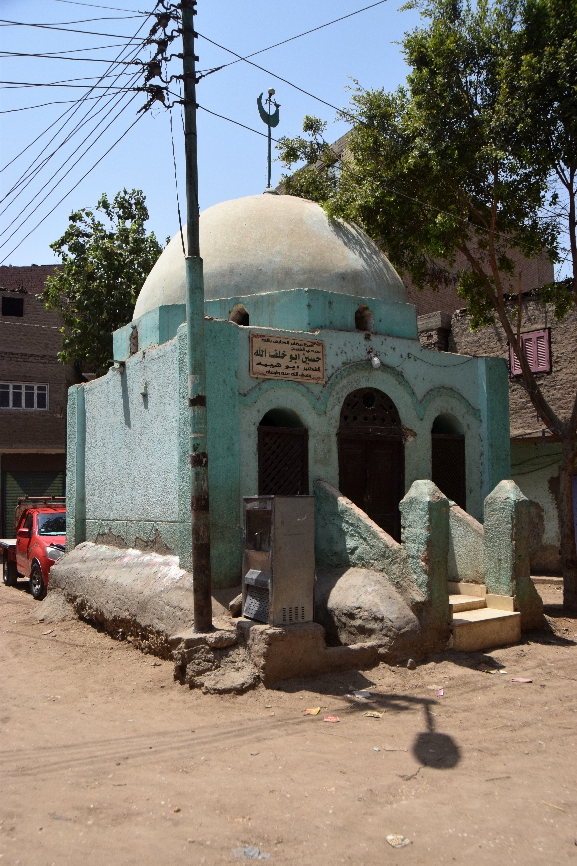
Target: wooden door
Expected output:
[283,462]
[448,466]
[372,458]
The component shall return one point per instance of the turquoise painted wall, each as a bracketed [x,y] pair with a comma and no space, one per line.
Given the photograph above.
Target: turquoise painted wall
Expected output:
[137,463]
[134,483]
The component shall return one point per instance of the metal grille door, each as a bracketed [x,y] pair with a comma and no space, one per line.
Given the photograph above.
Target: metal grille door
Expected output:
[448,466]
[283,461]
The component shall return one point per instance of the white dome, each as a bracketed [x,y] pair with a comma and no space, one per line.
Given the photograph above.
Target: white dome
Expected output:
[266,243]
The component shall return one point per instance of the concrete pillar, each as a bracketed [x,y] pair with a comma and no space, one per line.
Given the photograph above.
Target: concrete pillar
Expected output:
[75,467]
[425,533]
[506,552]
[493,379]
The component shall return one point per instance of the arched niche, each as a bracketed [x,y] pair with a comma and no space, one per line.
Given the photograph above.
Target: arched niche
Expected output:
[372,456]
[240,315]
[448,460]
[283,454]
[364,319]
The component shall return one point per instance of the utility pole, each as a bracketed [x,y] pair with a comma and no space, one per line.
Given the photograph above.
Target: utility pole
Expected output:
[199,503]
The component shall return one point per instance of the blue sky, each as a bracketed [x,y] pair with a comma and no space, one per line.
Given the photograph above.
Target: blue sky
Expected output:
[232,161]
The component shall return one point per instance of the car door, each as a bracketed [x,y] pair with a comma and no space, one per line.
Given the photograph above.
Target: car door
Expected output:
[23,542]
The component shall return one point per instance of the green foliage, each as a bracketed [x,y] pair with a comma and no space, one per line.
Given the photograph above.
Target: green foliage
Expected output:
[106,256]
[437,171]
[318,179]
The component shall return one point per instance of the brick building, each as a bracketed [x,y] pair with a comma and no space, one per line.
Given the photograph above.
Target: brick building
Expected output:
[33,392]
[550,348]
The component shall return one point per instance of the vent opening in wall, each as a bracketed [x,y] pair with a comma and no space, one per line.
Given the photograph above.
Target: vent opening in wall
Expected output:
[239,315]
[364,319]
[293,614]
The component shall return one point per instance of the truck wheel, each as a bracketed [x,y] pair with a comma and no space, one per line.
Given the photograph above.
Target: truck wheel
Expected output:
[9,573]
[37,587]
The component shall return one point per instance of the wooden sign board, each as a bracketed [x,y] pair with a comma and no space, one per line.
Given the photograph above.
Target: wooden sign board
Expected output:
[291,358]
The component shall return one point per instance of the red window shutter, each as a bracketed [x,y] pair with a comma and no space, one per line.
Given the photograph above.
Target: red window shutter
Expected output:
[514,361]
[542,351]
[537,349]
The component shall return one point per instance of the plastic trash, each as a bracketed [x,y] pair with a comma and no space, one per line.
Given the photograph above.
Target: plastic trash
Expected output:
[313,711]
[520,680]
[362,693]
[249,853]
[397,841]
[331,719]
[440,693]
[372,714]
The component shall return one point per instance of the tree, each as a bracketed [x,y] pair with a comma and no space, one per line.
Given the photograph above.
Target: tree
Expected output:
[104,264]
[447,164]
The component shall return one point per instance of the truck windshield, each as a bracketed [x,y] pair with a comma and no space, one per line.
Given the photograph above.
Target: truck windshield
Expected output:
[52,524]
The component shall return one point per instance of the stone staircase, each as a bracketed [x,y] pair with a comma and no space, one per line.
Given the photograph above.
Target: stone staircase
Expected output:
[482,621]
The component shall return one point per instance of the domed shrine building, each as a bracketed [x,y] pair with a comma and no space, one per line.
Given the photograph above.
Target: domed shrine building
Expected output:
[314,372]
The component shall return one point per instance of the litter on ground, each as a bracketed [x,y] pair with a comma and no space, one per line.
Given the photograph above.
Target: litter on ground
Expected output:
[249,853]
[372,714]
[331,719]
[520,680]
[397,841]
[313,711]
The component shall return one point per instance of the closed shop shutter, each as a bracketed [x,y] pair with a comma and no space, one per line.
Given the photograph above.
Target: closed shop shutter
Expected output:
[15,484]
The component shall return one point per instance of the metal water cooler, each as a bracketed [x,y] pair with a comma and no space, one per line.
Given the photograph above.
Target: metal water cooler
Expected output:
[279,559]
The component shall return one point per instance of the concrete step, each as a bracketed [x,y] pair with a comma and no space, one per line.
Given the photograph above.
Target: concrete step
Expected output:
[484,629]
[466,602]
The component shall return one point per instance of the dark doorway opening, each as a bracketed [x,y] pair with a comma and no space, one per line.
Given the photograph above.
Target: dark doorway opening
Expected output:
[283,455]
[372,457]
[448,464]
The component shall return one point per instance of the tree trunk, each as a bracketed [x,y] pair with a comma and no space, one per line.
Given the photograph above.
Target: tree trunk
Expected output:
[567,526]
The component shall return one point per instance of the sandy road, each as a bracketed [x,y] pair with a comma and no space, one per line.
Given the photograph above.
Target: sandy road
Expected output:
[104,761]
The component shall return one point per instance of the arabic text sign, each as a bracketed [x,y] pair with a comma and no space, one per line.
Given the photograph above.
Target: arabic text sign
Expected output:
[273,357]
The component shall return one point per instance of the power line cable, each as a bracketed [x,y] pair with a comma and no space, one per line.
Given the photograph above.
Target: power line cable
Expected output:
[305,33]
[7,23]
[28,180]
[45,217]
[97,6]
[57,57]
[61,29]
[230,120]
[79,103]
[18,227]
[42,105]
[71,112]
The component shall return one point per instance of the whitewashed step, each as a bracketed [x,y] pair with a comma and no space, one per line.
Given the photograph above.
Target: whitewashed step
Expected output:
[486,628]
[466,602]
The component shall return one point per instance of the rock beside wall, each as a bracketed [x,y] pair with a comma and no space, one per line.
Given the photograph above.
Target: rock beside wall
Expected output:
[356,605]
[141,597]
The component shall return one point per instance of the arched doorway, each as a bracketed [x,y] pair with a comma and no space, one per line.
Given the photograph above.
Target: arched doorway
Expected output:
[283,455]
[448,458]
[372,457]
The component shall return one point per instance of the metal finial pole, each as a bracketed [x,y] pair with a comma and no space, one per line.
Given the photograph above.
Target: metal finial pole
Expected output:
[271,118]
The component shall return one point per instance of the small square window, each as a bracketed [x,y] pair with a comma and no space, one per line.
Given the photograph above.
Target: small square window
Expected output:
[12,306]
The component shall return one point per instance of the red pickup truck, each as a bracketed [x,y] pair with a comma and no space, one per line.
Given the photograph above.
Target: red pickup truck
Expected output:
[40,524]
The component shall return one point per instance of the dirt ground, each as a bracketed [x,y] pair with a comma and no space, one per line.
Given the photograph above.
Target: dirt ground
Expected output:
[105,760]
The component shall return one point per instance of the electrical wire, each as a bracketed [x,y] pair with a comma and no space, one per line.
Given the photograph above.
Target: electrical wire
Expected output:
[74,59]
[236,123]
[305,33]
[71,190]
[176,187]
[31,170]
[25,85]
[97,6]
[41,105]
[61,29]
[7,23]
[74,164]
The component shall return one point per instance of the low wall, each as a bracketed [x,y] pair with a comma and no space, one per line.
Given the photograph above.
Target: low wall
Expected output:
[465,547]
